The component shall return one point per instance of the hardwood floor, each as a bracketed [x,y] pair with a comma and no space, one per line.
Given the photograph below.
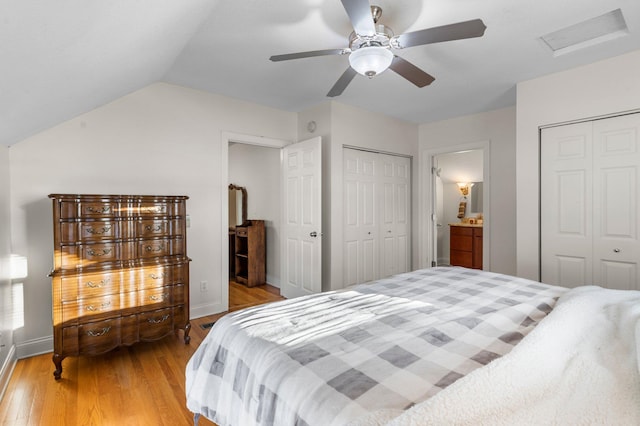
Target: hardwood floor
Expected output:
[138,385]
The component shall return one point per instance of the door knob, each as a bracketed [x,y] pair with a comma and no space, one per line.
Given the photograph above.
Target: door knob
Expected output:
[313,234]
[616,250]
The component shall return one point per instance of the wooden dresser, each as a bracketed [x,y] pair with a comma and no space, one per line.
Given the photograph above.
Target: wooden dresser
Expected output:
[121,272]
[250,253]
[466,245]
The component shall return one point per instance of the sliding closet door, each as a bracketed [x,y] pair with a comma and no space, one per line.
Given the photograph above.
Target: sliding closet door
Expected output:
[377,220]
[590,178]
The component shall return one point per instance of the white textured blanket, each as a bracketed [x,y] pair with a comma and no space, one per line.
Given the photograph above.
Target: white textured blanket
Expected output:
[579,366]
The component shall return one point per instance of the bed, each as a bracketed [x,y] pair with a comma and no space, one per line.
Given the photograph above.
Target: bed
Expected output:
[433,346]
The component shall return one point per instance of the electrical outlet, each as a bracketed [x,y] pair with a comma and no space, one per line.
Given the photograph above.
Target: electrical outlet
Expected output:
[203,286]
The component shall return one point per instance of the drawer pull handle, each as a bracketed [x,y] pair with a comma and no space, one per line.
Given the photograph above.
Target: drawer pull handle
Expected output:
[98,231]
[158,320]
[101,210]
[158,228]
[98,333]
[156,277]
[151,249]
[158,297]
[105,305]
[91,284]
[104,252]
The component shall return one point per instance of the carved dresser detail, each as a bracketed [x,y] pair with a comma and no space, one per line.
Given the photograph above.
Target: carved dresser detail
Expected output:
[121,272]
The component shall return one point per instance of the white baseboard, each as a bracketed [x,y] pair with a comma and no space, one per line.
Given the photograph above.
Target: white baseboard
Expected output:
[34,347]
[274,281]
[205,310]
[7,369]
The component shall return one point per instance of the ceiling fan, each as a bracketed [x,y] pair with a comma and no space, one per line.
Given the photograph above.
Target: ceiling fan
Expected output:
[370,45]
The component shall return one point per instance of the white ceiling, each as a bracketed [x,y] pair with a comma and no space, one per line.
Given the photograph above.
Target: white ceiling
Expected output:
[65,57]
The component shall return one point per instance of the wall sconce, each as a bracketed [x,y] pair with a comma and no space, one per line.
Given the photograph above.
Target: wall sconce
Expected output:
[464,188]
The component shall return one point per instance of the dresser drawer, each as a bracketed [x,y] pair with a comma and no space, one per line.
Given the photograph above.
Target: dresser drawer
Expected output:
[70,209]
[155,324]
[156,228]
[99,337]
[154,209]
[155,298]
[90,285]
[88,231]
[156,248]
[179,294]
[89,309]
[80,256]
[153,276]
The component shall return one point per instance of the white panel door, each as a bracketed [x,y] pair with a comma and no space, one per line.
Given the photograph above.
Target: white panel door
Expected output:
[590,178]
[361,219]
[377,219]
[616,243]
[565,205]
[302,219]
[395,205]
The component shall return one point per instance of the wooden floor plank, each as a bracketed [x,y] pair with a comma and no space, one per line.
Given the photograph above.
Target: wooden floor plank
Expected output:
[139,385]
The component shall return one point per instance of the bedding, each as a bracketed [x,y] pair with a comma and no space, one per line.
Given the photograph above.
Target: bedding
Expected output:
[336,357]
[580,366]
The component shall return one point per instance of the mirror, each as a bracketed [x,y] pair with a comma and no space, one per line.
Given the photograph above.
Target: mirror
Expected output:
[476,196]
[237,206]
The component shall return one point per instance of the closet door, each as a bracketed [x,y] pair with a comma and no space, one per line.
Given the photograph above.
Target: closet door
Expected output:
[590,177]
[616,178]
[377,201]
[361,219]
[565,205]
[395,180]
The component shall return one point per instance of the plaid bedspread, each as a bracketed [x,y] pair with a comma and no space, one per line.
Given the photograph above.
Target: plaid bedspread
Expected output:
[330,358]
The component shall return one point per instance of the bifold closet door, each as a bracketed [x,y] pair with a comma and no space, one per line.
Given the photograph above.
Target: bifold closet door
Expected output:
[395,205]
[377,202]
[590,178]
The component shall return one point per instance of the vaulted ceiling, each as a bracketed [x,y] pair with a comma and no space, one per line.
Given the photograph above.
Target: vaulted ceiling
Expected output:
[65,57]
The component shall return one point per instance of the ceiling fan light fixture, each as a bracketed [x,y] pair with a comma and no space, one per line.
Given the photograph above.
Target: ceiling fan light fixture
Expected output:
[370,60]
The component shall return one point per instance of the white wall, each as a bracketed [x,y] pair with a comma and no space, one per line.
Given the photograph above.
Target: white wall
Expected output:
[257,168]
[594,90]
[7,351]
[497,127]
[162,139]
[352,126]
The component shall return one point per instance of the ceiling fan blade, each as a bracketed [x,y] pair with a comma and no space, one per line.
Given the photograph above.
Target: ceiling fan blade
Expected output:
[457,31]
[359,12]
[309,54]
[409,71]
[342,83]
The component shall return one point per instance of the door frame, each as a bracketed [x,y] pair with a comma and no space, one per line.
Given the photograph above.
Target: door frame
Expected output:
[425,222]
[227,138]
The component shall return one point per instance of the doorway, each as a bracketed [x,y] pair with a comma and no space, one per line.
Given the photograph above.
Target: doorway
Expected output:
[252,146]
[444,172]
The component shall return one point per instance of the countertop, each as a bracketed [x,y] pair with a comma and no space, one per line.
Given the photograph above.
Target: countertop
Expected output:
[467,225]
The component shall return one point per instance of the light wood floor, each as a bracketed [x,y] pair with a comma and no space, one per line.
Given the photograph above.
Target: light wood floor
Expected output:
[138,385]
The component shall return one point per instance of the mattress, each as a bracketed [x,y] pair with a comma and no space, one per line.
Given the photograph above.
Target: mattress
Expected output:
[334,357]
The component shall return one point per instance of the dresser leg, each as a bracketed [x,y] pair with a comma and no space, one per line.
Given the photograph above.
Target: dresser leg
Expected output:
[57,361]
[187,329]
